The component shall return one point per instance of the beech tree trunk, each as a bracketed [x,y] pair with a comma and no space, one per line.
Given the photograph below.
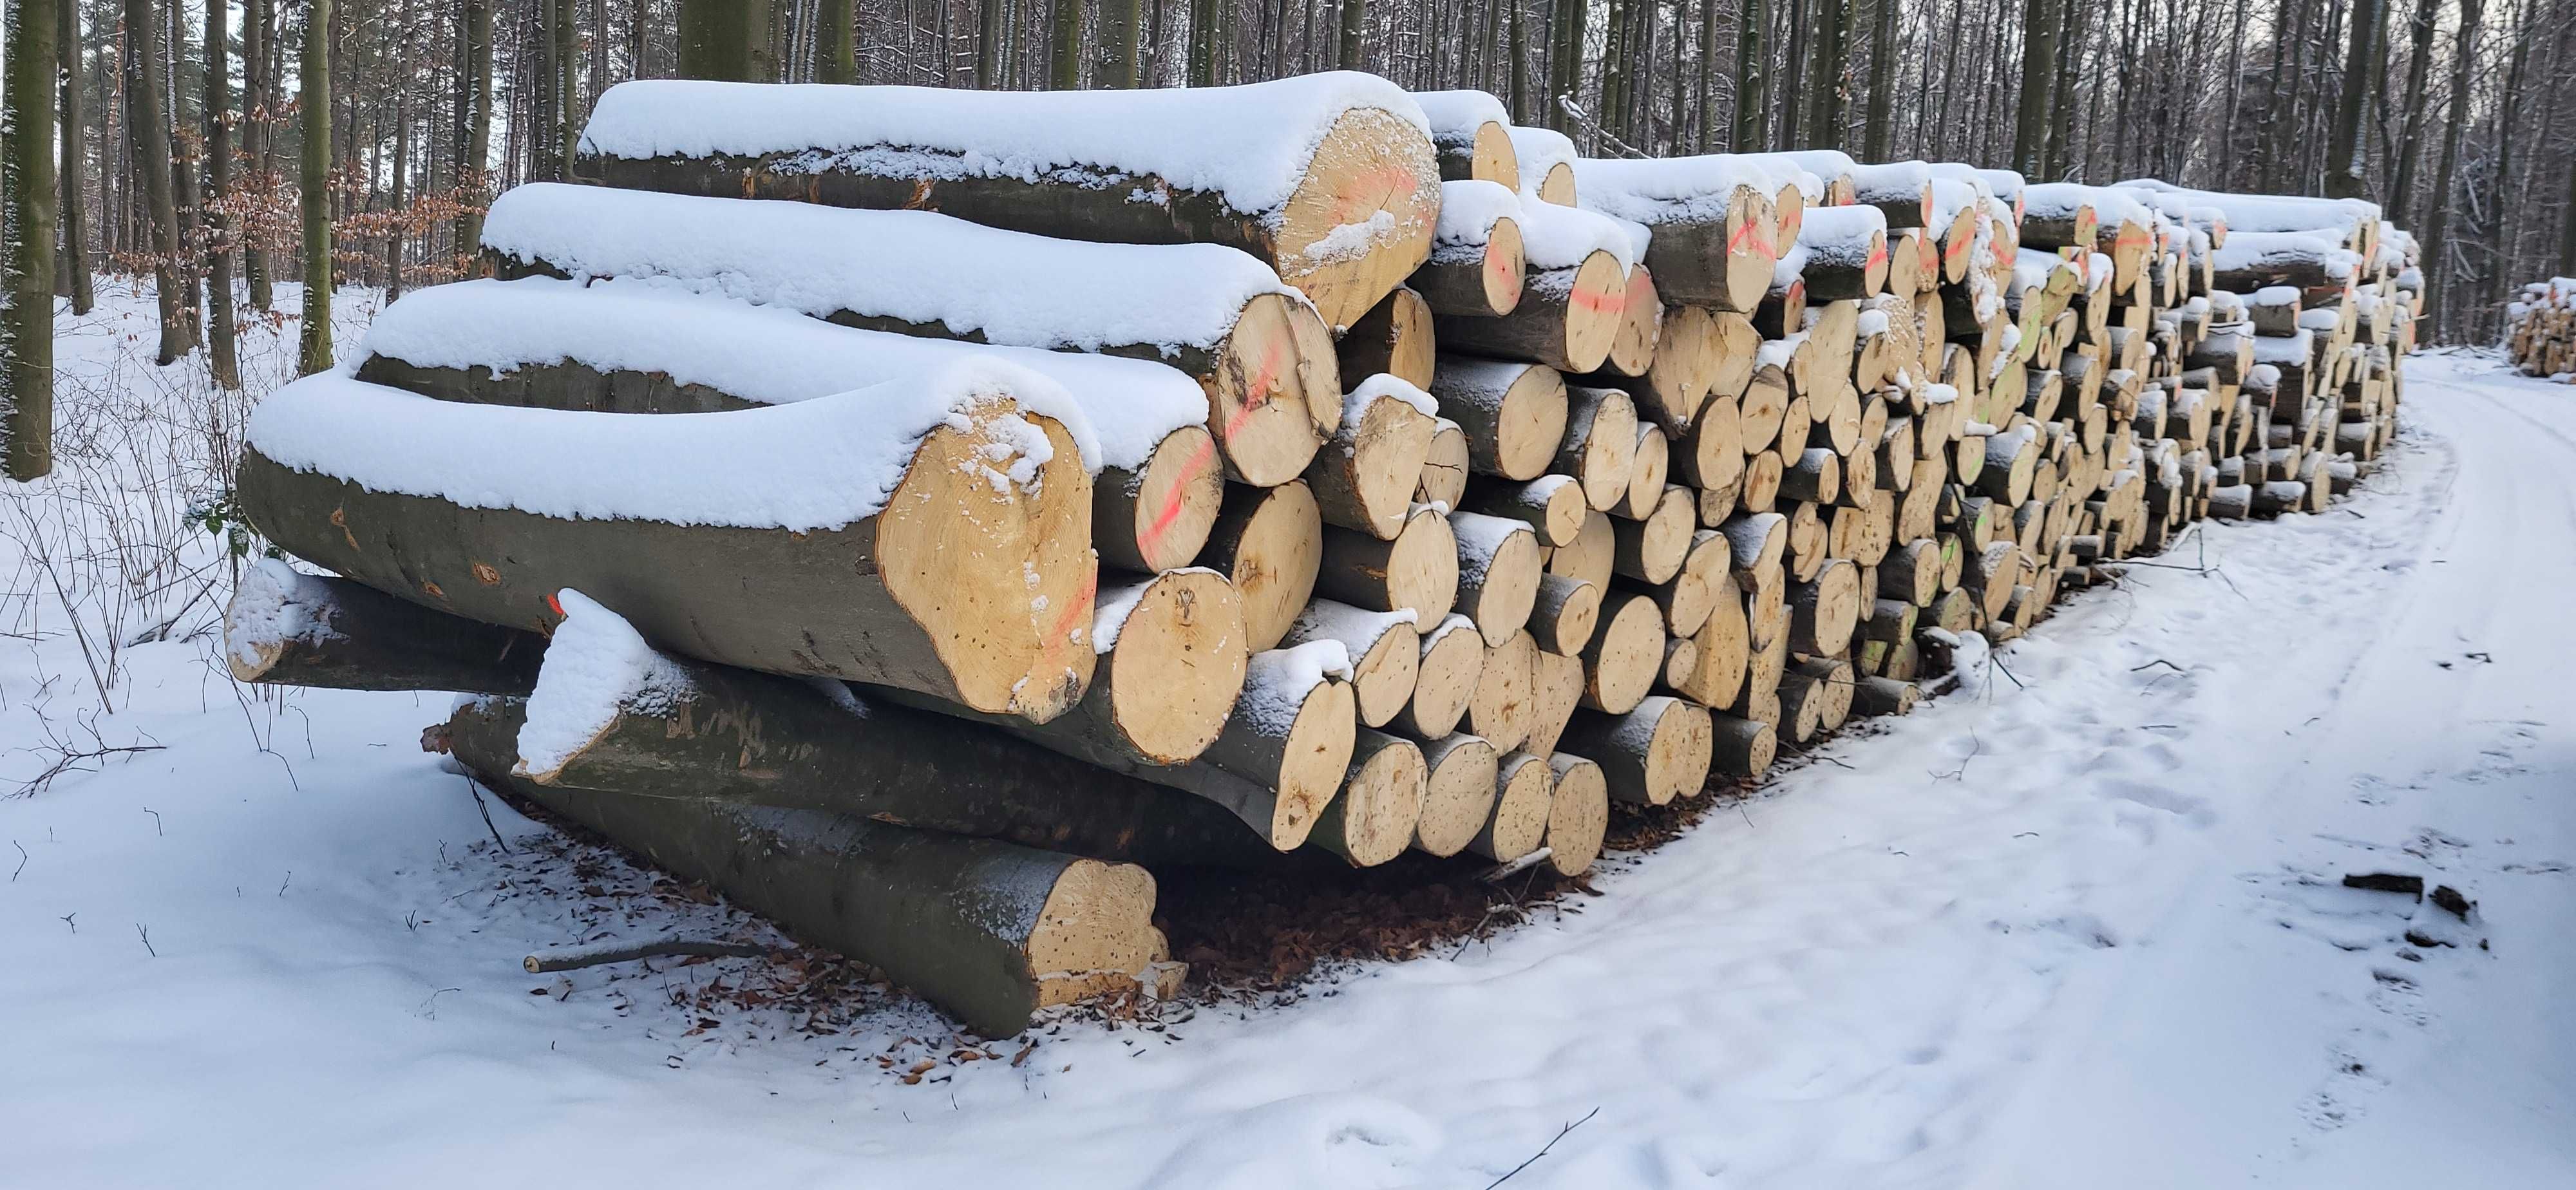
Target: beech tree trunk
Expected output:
[2038,79]
[836,56]
[150,137]
[75,283]
[259,87]
[27,197]
[313,343]
[2437,244]
[2344,161]
[728,40]
[1120,27]
[218,105]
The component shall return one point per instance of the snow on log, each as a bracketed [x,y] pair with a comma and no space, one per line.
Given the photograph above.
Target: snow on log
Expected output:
[1649,756]
[1330,179]
[1546,158]
[1715,233]
[1472,132]
[1574,296]
[931,534]
[1477,267]
[1263,357]
[287,628]
[1385,649]
[989,931]
[636,347]
[1499,566]
[1512,413]
[1841,254]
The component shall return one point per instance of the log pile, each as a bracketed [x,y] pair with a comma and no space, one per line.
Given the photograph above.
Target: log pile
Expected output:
[920,518]
[2540,329]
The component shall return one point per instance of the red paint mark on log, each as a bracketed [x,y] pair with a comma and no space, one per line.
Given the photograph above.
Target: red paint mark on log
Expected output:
[1173,502]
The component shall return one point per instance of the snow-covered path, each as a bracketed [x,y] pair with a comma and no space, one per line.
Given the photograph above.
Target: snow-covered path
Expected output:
[2080,924]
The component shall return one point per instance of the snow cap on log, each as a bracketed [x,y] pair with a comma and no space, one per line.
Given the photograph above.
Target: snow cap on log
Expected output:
[1547,164]
[1561,237]
[596,663]
[909,265]
[761,354]
[1469,210]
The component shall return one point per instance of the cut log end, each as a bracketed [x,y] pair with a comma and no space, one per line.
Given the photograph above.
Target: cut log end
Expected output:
[1458,794]
[1169,504]
[1374,172]
[1178,665]
[1276,392]
[1380,804]
[1095,933]
[1269,542]
[1578,816]
[1524,794]
[1001,577]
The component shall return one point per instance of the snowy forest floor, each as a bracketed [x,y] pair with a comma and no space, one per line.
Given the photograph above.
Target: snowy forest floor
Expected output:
[2079,923]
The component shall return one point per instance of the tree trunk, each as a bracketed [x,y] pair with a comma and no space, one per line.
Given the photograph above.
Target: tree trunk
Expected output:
[1825,77]
[313,347]
[473,126]
[2437,243]
[1120,27]
[218,104]
[2038,76]
[2419,64]
[259,103]
[1353,52]
[1876,134]
[27,229]
[75,282]
[1752,79]
[150,127]
[728,40]
[2061,119]
[566,60]
[1565,76]
[2345,163]
[1064,71]
[988,931]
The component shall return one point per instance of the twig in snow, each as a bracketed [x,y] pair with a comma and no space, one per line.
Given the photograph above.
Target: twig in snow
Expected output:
[1542,1152]
[146,932]
[67,920]
[2158,661]
[477,791]
[156,820]
[574,958]
[22,860]
[290,879]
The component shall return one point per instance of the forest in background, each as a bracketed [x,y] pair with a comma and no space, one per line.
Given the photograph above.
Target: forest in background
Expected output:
[2459,115]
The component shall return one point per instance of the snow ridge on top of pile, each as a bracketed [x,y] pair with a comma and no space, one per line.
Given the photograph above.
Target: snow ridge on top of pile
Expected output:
[1539,150]
[1671,189]
[819,464]
[759,353]
[1562,237]
[2274,212]
[2255,249]
[912,265]
[1469,210]
[1454,116]
[1251,143]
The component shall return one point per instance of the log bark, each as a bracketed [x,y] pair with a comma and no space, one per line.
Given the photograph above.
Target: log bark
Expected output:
[290,629]
[1741,747]
[27,212]
[1364,163]
[931,594]
[988,931]
[1266,363]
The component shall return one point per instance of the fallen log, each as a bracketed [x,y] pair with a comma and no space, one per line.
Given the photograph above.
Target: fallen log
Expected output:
[1330,180]
[1524,792]
[1452,660]
[1574,293]
[286,628]
[611,347]
[1500,565]
[1513,414]
[1578,815]
[1262,356]
[1374,817]
[931,534]
[988,931]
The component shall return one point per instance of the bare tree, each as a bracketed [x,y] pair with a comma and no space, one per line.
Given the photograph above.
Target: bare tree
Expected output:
[27,197]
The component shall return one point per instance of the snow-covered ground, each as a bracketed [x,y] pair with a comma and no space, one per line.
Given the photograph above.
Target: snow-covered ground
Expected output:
[2078,924]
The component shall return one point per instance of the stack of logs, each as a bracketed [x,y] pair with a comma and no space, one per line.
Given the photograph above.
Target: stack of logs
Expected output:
[2540,329]
[1432,497]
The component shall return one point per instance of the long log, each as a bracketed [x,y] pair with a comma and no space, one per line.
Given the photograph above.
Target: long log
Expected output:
[1452,661]
[1649,756]
[1714,224]
[1566,317]
[1578,813]
[1262,356]
[1269,542]
[541,343]
[1394,337]
[1472,132]
[1524,790]
[1385,650]
[932,534]
[291,629]
[987,930]
[1344,222]
[1380,805]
